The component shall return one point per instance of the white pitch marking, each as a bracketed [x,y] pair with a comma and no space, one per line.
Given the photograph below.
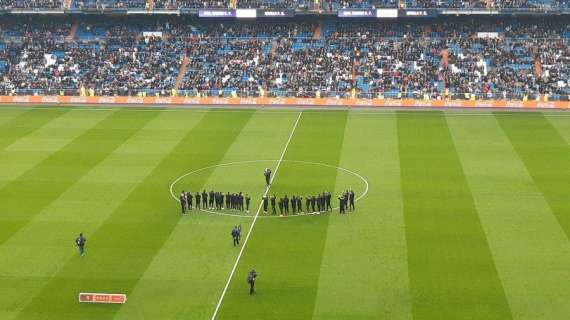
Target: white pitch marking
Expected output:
[257,161]
[255,219]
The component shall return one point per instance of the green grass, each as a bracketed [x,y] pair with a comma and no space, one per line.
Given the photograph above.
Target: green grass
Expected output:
[466,216]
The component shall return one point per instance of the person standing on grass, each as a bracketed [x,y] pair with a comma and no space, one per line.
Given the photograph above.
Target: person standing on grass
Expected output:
[308,203]
[251,277]
[294,204]
[286,204]
[267,174]
[239,232]
[198,200]
[341,204]
[204,199]
[299,204]
[328,197]
[189,201]
[247,200]
[211,203]
[280,206]
[183,202]
[273,204]
[228,199]
[265,202]
[235,236]
[313,202]
[80,242]
[351,200]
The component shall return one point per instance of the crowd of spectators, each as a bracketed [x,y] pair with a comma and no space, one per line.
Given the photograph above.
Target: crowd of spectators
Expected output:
[488,59]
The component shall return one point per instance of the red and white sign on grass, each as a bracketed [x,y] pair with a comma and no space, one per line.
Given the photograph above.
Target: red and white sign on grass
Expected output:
[114,298]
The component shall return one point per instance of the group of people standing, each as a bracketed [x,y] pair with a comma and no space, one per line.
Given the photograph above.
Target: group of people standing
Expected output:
[346,201]
[313,204]
[214,200]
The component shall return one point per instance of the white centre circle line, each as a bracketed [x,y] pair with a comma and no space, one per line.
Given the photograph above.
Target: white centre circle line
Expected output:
[258,161]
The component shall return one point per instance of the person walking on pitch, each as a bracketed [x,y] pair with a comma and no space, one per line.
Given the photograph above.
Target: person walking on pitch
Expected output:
[80,242]
[251,277]
[267,174]
[235,236]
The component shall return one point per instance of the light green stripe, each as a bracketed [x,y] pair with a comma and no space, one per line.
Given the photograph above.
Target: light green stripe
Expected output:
[9,114]
[562,124]
[364,273]
[199,274]
[85,206]
[529,247]
[26,152]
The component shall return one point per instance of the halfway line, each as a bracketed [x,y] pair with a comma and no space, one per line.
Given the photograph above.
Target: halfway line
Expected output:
[254,220]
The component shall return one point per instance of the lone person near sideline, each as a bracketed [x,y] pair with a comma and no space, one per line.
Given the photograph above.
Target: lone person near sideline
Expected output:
[267,174]
[251,277]
[235,236]
[80,242]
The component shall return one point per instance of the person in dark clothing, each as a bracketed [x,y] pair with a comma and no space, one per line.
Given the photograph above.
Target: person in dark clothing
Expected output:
[80,242]
[351,200]
[319,203]
[294,204]
[313,203]
[308,203]
[328,197]
[189,200]
[204,199]
[239,232]
[235,236]
[241,201]
[273,204]
[286,205]
[342,203]
[251,277]
[265,202]
[299,204]
[267,174]
[280,206]
[221,200]
[211,203]
[247,200]
[198,197]
[183,202]
[228,199]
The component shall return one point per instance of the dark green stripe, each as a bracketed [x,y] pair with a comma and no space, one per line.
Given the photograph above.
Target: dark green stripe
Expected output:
[138,229]
[546,156]
[24,124]
[287,253]
[451,269]
[55,174]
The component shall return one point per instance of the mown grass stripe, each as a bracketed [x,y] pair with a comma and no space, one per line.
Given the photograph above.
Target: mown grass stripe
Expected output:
[364,273]
[124,246]
[25,123]
[287,253]
[195,294]
[7,115]
[562,125]
[451,269]
[29,150]
[546,156]
[518,222]
[84,207]
[62,169]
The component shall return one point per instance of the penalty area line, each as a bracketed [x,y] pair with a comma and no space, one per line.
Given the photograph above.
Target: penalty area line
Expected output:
[255,219]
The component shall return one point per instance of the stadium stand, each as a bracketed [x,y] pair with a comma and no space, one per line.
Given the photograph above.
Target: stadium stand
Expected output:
[459,58]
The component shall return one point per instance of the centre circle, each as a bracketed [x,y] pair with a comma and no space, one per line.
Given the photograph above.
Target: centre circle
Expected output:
[247,177]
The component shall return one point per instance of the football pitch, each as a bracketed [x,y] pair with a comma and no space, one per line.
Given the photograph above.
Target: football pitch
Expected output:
[460,214]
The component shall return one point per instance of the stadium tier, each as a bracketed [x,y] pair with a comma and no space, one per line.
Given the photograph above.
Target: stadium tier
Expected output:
[461,58]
